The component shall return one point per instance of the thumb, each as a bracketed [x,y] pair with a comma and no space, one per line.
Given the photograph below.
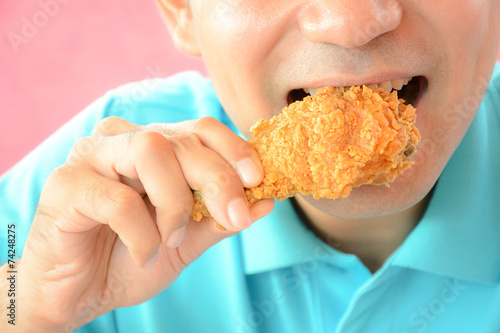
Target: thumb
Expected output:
[200,236]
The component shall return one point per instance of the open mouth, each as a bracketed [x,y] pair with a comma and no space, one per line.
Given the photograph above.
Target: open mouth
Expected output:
[409,89]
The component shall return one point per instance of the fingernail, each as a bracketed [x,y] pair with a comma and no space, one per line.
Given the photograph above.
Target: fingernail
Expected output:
[249,171]
[175,239]
[150,263]
[238,213]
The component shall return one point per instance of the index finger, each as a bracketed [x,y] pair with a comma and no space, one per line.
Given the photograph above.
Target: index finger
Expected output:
[235,150]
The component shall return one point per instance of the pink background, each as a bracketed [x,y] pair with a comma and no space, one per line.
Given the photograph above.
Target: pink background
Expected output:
[68,53]
[73,55]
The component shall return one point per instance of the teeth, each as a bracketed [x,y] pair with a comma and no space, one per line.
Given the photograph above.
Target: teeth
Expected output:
[397,84]
[313,92]
[388,86]
[394,84]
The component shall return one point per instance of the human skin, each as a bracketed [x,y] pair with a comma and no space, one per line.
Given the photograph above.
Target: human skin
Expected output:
[256,51]
[108,228]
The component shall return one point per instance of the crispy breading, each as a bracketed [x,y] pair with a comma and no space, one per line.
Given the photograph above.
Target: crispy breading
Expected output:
[327,144]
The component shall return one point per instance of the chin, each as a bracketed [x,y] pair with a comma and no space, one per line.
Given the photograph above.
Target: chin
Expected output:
[368,201]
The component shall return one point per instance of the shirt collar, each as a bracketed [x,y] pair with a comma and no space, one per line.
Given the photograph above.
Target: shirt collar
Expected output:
[278,240]
[459,235]
[281,240]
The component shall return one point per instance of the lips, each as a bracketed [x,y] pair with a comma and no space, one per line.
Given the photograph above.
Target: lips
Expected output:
[409,89]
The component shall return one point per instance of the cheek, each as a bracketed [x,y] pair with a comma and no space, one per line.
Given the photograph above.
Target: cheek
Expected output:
[461,28]
[237,41]
[467,35]
[235,33]
[461,23]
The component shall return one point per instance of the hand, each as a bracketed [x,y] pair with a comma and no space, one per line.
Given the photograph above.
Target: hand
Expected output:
[113,224]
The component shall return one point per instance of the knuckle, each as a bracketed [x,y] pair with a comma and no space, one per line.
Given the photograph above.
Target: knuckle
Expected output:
[60,174]
[122,201]
[224,175]
[107,125]
[81,150]
[57,183]
[204,123]
[219,181]
[150,142]
[185,140]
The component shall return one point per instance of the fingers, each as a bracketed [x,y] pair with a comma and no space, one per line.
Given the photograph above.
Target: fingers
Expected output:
[212,133]
[211,158]
[112,126]
[126,214]
[220,186]
[201,236]
[236,151]
[89,199]
[165,165]
[160,173]
[261,208]
[146,162]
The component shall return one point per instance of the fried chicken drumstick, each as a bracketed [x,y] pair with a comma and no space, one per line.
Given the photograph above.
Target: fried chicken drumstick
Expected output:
[327,144]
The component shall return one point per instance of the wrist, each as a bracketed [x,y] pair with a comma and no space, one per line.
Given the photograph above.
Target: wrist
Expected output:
[22,308]
[19,316]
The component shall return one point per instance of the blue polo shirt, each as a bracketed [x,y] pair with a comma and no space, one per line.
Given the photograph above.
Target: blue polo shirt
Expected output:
[277,276]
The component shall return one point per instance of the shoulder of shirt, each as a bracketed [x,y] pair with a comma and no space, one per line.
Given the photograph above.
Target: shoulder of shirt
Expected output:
[495,78]
[183,96]
[493,90]
[488,115]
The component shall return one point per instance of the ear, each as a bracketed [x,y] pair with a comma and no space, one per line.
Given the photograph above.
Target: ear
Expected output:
[177,15]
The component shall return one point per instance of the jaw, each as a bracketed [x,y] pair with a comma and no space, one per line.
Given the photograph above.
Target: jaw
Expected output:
[369,201]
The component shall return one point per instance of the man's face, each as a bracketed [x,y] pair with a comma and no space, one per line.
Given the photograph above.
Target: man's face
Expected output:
[258,52]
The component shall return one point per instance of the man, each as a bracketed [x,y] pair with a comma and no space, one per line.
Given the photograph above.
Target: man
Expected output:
[112,228]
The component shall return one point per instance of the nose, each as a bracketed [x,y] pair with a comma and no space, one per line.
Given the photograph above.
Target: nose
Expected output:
[349,23]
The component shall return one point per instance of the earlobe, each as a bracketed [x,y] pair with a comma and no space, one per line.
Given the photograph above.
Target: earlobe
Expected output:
[180,23]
